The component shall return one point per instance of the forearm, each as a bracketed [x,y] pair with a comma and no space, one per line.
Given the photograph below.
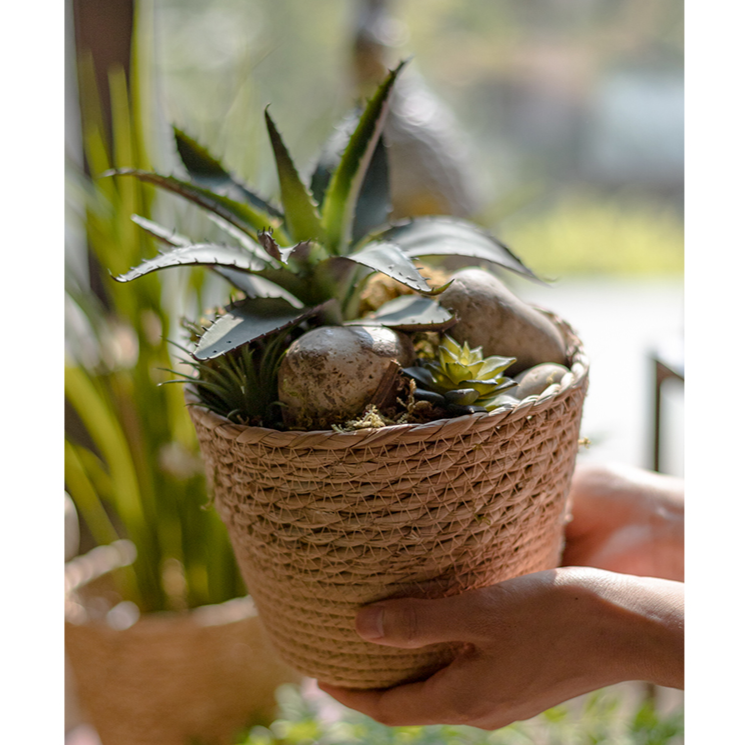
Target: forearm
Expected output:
[626,520]
[637,623]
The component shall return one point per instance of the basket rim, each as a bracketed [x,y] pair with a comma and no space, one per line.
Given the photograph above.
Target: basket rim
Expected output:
[578,366]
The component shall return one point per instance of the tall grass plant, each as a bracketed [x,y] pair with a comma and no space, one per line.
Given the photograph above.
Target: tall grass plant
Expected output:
[132,465]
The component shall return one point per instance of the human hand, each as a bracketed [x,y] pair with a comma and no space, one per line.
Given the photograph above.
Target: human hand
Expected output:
[528,644]
[626,520]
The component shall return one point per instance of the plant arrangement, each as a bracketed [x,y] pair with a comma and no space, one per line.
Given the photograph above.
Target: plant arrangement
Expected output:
[357,448]
[307,265]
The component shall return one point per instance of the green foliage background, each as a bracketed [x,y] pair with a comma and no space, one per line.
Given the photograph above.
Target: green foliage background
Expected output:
[605,717]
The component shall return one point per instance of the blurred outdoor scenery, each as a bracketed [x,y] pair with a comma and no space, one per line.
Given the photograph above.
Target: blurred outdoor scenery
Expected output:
[564,122]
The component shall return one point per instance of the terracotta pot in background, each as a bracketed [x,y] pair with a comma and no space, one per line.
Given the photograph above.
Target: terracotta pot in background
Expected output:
[174,678]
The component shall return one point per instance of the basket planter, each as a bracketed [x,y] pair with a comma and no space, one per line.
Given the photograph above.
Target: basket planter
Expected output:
[324,522]
[172,679]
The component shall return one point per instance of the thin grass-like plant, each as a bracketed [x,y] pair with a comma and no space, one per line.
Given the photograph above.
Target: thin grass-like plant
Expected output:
[132,465]
[240,385]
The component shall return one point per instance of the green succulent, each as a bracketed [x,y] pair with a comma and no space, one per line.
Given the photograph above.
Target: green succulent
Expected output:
[307,262]
[460,379]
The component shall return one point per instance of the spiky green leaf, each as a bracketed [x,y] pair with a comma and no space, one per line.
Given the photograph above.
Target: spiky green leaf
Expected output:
[300,252]
[207,171]
[340,203]
[242,216]
[254,286]
[411,313]
[449,236]
[248,320]
[331,152]
[387,258]
[200,254]
[302,220]
[163,234]
[374,203]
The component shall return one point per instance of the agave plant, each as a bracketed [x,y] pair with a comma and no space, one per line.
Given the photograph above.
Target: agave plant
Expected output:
[311,258]
[459,379]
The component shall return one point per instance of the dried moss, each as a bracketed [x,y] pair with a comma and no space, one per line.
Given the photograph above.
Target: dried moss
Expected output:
[406,411]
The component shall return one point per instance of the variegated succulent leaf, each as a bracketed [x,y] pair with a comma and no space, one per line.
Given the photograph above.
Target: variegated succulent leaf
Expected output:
[462,397]
[462,376]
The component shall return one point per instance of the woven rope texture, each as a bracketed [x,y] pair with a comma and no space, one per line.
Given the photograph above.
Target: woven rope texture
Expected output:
[324,522]
[172,679]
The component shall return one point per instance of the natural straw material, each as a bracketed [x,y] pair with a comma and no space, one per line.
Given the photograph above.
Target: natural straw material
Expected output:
[173,679]
[324,522]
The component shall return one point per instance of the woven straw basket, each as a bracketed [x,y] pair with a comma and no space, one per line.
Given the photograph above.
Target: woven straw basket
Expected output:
[173,679]
[324,522]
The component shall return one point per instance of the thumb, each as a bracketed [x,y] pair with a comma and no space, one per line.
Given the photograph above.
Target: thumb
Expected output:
[411,623]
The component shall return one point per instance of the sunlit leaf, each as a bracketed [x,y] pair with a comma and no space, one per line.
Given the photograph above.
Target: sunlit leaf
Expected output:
[340,203]
[449,236]
[200,254]
[248,320]
[331,152]
[301,215]
[242,216]
[374,203]
[107,435]
[86,498]
[163,234]
[388,259]
[411,313]
[207,171]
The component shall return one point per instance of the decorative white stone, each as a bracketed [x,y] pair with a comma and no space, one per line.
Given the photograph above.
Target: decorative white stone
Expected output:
[330,374]
[492,317]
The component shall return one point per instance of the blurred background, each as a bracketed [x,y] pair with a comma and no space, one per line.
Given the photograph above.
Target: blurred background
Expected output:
[557,125]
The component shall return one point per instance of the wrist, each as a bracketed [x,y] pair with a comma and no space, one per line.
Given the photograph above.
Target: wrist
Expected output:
[635,624]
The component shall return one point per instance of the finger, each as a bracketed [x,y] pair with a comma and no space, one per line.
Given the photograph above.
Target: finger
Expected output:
[383,707]
[410,623]
[431,701]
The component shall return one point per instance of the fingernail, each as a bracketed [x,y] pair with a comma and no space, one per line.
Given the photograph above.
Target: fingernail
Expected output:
[370,622]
